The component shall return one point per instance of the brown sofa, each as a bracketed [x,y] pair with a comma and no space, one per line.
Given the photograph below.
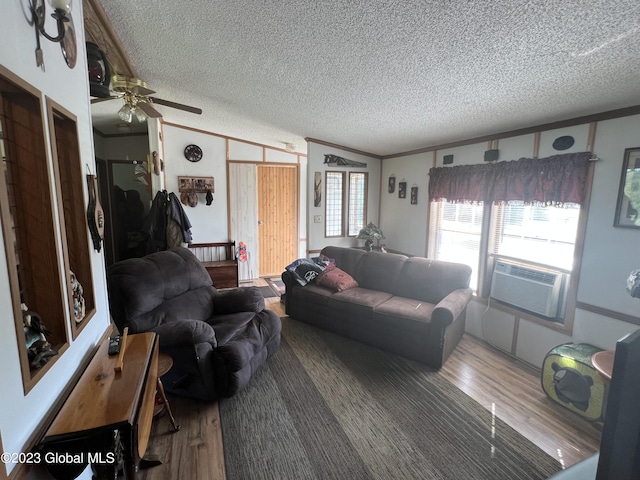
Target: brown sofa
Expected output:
[411,306]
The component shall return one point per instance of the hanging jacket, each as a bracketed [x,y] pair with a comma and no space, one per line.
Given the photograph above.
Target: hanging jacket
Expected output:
[178,218]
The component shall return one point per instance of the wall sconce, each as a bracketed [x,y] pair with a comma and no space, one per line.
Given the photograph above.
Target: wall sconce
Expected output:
[66,35]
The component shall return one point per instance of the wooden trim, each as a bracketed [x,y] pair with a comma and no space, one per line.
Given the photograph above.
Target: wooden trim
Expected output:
[248,142]
[514,339]
[592,136]
[536,144]
[608,313]
[578,251]
[597,117]
[346,149]
[98,29]
[79,249]
[98,133]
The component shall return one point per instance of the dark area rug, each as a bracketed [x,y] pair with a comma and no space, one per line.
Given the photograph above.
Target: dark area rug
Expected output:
[277,285]
[326,407]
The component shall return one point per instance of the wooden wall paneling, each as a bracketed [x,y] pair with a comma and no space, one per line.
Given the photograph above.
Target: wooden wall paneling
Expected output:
[243,215]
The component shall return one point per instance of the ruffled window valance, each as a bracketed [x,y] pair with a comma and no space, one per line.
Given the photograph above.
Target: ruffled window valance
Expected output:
[548,181]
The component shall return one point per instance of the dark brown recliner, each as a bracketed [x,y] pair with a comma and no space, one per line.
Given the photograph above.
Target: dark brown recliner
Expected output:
[217,339]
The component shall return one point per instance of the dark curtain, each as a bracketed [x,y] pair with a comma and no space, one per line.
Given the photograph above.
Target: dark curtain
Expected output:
[548,181]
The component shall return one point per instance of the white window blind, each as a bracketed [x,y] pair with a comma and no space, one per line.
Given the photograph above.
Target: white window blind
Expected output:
[542,234]
[457,230]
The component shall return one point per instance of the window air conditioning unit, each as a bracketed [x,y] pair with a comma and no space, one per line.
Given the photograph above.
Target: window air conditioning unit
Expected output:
[528,287]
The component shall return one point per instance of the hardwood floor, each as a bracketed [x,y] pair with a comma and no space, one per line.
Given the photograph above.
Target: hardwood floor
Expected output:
[492,378]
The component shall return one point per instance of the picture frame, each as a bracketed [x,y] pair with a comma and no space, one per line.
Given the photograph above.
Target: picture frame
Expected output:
[402,189]
[414,195]
[628,204]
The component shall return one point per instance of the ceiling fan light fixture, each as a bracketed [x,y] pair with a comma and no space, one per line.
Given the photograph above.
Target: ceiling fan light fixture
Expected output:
[140,115]
[126,113]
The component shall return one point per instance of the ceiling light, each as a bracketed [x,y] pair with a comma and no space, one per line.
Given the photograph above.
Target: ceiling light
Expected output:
[140,115]
[126,113]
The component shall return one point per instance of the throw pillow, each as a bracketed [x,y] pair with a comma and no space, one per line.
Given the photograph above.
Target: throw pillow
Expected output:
[336,279]
[304,270]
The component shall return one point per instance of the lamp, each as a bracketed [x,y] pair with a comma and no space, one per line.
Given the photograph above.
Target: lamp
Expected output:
[61,12]
[370,233]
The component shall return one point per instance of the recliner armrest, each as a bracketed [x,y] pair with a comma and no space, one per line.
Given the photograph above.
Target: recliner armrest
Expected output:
[182,333]
[448,309]
[246,299]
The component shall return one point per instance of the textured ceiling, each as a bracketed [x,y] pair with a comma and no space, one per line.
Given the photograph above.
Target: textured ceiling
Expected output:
[381,76]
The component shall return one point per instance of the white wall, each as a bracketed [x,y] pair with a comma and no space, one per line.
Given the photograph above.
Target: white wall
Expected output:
[315,157]
[609,253]
[209,223]
[20,414]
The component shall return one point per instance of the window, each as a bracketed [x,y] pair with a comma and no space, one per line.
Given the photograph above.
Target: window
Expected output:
[346,204]
[541,227]
[541,234]
[357,202]
[334,204]
[457,233]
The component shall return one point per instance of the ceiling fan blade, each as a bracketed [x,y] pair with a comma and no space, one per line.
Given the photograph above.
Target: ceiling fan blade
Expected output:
[149,110]
[104,99]
[179,106]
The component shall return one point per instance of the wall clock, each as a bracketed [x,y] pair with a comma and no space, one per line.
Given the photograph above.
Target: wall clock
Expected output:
[193,153]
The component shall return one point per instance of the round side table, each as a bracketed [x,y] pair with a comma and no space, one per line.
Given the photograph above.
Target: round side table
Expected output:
[165,362]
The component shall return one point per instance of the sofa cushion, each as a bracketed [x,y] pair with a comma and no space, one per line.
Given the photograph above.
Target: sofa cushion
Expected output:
[379,271]
[358,296]
[336,279]
[431,280]
[405,313]
[310,294]
[357,303]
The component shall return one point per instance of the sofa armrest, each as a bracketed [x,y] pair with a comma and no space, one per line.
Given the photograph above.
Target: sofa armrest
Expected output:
[246,299]
[289,280]
[450,307]
[183,333]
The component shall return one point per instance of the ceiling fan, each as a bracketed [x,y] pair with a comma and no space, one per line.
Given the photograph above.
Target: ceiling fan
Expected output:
[137,99]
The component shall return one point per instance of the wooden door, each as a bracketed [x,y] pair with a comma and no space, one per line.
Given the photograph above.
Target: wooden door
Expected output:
[277,213]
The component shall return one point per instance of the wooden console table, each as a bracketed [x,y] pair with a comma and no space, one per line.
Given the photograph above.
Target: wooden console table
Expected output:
[108,408]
